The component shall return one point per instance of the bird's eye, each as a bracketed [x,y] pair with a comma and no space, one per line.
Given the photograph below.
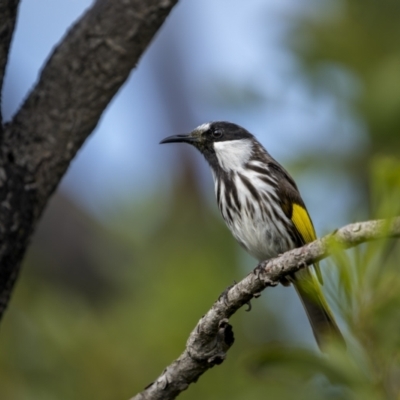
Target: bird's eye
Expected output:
[216,133]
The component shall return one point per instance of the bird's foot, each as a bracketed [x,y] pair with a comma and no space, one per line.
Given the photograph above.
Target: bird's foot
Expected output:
[257,271]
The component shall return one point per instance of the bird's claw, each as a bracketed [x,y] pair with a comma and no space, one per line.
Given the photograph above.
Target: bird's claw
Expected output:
[249,307]
[258,270]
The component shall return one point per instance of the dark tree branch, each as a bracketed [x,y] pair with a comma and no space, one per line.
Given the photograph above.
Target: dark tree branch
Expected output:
[212,337]
[8,16]
[80,78]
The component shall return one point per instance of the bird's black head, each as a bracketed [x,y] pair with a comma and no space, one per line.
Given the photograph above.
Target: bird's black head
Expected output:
[205,136]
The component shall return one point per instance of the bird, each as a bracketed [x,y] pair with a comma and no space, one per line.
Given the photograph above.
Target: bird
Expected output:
[262,207]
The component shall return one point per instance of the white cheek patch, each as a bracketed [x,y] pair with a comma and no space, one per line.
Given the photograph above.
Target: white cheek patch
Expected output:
[232,154]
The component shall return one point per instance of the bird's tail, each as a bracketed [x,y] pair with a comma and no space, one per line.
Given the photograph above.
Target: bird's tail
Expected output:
[321,319]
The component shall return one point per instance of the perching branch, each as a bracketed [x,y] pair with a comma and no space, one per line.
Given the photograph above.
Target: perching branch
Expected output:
[212,337]
[78,81]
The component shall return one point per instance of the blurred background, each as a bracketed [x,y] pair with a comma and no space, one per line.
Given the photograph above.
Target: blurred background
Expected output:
[132,251]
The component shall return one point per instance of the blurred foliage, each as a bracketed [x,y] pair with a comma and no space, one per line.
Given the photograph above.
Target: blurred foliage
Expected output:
[57,344]
[369,301]
[102,316]
[351,50]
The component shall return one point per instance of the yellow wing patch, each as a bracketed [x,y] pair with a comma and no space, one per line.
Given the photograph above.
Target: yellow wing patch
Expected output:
[303,223]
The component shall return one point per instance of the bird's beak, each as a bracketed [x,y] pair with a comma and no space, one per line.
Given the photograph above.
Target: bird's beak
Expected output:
[181,138]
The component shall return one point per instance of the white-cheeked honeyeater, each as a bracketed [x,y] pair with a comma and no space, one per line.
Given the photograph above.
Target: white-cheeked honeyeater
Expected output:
[262,206]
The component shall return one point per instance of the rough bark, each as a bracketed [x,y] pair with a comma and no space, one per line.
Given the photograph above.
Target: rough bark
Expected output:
[212,337]
[8,16]
[78,81]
